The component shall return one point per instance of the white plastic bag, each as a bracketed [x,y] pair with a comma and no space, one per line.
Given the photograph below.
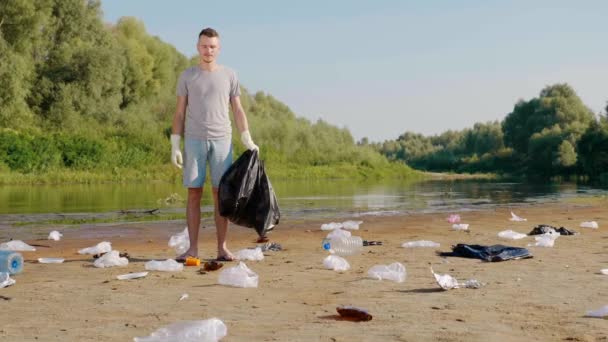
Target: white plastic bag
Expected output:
[351,225]
[590,224]
[51,260]
[604,271]
[545,240]
[395,272]
[131,276]
[599,313]
[460,226]
[168,265]
[516,218]
[6,280]
[331,226]
[336,263]
[17,245]
[102,247]
[511,235]
[250,254]
[238,276]
[338,233]
[445,281]
[420,243]
[209,330]
[180,241]
[111,259]
[55,235]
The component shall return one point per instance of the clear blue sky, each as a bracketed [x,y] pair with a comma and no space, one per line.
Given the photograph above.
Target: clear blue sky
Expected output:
[380,68]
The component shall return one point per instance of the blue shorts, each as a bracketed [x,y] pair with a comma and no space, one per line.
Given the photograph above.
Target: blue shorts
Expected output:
[199,152]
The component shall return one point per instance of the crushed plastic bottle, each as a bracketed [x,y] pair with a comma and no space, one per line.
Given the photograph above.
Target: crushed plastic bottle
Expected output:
[209,330]
[11,262]
[238,276]
[343,246]
[180,242]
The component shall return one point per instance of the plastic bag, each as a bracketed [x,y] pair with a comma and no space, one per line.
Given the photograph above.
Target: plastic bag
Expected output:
[250,254]
[599,313]
[338,233]
[55,235]
[110,259]
[604,271]
[168,265]
[209,330]
[511,235]
[336,263]
[420,243]
[447,282]
[6,280]
[590,224]
[460,226]
[180,241]
[545,240]
[131,276]
[51,260]
[516,218]
[454,218]
[351,225]
[246,196]
[17,245]
[331,226]
[102,247]
[395,272]
[238,276]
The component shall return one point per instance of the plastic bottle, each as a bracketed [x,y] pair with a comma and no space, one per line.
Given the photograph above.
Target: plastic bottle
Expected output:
[343,246]
[11,262]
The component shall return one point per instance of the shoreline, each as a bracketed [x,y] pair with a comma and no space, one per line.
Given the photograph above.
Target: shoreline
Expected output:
[530,299]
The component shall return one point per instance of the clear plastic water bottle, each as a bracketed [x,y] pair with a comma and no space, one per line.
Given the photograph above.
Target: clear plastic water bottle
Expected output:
[11,262]
[343,246]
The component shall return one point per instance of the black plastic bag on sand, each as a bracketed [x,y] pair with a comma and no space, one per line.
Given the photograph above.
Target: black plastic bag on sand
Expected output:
[246,196]
[488,253]
[545,228]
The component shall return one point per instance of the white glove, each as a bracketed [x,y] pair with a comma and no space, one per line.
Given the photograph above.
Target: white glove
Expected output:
[176,153]
[246,140]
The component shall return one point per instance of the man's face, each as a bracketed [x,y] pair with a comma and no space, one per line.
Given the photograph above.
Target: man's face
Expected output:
[208,48]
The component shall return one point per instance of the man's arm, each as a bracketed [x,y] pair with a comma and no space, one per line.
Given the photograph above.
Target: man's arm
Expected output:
[178,131]
[240,119]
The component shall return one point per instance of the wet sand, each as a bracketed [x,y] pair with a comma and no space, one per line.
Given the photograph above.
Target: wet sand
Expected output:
[544,298]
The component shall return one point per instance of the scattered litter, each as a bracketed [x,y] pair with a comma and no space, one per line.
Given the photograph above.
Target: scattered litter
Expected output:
[11,262]
[460,226]
[511,235]
[372,243]
[6,280]
[337,233]
[420,243]
[545,228]
[545,240]
[131,276]
[209,330]
[447,282]
[17,245]
[212,266]
[171,199]
[55,235]
[111,259]
[599,313]
[250,254]
[239,276]
[488,253]
[102,247]
[454,218]
[51,260]
[604,271]
[336,263]
[354,313]
[168,265]
[516,218]
[180,241]
[395,272]
[184,296]
[590,224]
[192,261]
[271,246]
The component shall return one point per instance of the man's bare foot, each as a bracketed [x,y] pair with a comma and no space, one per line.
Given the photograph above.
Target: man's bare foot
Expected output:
[189,253]
[225,255]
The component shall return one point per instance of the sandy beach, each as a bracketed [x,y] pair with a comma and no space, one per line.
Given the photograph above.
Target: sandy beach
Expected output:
[544,298]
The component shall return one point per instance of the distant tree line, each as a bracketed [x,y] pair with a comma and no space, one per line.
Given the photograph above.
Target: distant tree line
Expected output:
[81,94]
[552,135]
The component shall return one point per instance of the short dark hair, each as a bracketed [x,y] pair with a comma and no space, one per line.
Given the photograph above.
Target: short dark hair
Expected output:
[209,32]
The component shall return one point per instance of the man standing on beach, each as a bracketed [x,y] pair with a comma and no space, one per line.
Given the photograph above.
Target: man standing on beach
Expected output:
[204,94]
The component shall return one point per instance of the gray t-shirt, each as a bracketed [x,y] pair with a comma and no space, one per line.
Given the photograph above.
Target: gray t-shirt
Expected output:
[208,94]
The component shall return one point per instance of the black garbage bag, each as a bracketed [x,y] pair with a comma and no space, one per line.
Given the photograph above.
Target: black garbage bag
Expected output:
[488,253]
[246,196]
[545,228]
